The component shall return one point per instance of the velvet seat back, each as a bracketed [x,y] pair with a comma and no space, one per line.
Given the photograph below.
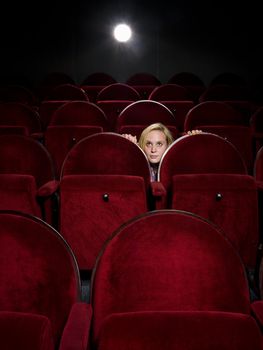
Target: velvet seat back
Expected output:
[19,114]
[167,261]
[105,181]
[228,200]
[39,274]
[106,154]
[24,155]
[201,153]
[118,91]
[79,113]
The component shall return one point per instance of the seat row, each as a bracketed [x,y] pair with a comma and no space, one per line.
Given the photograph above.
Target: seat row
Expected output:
[73,120]
[105,181]
[167,279]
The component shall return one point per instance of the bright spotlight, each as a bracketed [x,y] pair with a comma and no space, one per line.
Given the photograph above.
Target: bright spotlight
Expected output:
[122,32]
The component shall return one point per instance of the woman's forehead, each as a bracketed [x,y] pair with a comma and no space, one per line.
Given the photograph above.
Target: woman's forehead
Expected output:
[156,135]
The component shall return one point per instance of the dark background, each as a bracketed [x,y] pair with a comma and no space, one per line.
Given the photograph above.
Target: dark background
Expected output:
[206,38]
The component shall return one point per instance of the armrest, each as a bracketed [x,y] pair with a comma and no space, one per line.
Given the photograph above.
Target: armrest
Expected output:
[257,311]
[158,192]
[77,329]
[48,189]
[259,185]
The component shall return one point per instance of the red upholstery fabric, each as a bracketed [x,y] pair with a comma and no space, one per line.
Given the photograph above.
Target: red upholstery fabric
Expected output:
[19,114]
[65,92]
[112,109]
[109,154]
[46,110]
[100,189]
[167,261]
[200,153]
[18,192]
[76,331]
[79,113]
[59,139]
[39,274]
[177,98]
[25,331]
[228,200]
[22,155]
[118,91]
[143,82]
[193,83]
[145,112]
[179,330]
[95,82]
[93,207]
[224,120]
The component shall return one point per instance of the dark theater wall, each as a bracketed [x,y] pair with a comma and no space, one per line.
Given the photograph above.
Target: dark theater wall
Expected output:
[206,38]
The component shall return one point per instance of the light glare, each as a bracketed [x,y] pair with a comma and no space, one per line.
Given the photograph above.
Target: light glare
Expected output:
[122,32]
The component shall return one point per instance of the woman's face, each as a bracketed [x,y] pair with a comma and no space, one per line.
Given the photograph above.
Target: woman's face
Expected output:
[155,145]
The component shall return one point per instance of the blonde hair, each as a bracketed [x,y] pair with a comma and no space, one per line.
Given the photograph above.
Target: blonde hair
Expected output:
[153,127]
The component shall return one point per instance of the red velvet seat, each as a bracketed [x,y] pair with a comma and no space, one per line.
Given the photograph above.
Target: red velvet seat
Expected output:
[177,98]
[222,119]
[51,80]
[205,174]
[170,279]
[19,115]
[27,177]
[18,93]
[192,82]
[143,82]
[70,123]
[67,92]
[113,98]
[40,299]
[95,82]
[140,114]
[105,181]
[238,96]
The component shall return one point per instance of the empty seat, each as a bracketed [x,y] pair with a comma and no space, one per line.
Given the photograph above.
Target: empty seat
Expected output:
[27,177]
[95,82]
[222,119]
[40,299]
[177,98]
[191,81]
[114,98]
[143,82]
[70,123]
[237,96]
[67,92]
[105,181]
[170,279]
[206,175]
[18,115]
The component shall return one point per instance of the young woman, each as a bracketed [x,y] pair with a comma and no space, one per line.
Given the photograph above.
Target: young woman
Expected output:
[154,141]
